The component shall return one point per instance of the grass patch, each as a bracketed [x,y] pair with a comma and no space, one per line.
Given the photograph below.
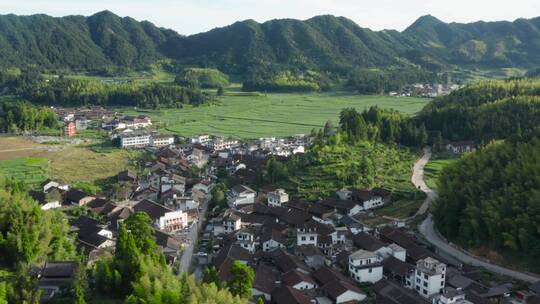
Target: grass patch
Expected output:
[433,170]
[31,170]
[393,169]
[401,209]
[254,115]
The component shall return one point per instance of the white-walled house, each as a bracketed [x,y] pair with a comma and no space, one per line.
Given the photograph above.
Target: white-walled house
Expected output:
[164,218]
[277,198]
[241,195]
[246,238]
[298,280]
[365,267]
[429,277]
[306,235]
[231,221]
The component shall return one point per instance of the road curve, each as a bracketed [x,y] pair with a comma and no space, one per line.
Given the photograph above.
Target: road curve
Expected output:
[427,229]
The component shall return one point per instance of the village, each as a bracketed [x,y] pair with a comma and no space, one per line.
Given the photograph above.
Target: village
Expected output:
[301,251]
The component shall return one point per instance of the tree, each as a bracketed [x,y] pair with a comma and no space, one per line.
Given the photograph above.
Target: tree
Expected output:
[140,227]
[242,280]
[211,276]
[328,129]
[80,285]
[220,91]
[127,258]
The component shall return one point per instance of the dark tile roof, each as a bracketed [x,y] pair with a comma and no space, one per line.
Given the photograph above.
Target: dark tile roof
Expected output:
[342,205]
[307,251]
[75,195]
[265,278]
[58,270]
[367,242]
[337,287]
[294,277]
[396,266]
[286,261]
[98,204]
[242,189]
[167,241]
[392,293]
[326,274]
[153,209]
[127,175]
[288,295]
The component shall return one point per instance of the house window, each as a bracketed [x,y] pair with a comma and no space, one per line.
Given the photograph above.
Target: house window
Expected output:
[370,270]
[425,276]
[425,292]
[425,284]
[312,238]
[442,283]
[303,238]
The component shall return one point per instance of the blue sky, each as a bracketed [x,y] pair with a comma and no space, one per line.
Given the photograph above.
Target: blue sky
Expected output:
[192,16]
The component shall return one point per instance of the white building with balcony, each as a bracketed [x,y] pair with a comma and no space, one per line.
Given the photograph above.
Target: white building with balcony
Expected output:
[430,277]
[365,267]
[277,198]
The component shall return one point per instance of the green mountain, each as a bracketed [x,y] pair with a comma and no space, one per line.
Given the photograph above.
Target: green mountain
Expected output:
[80,43]
[324,43]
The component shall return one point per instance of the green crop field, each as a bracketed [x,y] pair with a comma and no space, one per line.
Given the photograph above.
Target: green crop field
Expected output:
[31,170]
[252,116]
[433,170]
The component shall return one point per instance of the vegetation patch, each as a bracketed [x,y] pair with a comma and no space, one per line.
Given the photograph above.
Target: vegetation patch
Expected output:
[257,116]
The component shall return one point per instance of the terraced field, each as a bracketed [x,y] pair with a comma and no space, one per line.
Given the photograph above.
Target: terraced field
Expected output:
[253,116]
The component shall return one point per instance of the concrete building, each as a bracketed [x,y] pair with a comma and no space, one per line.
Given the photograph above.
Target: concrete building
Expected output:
[365,267]
[277,198]
[430,277]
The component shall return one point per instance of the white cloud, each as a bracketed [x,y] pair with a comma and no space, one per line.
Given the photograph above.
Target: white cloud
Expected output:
[192,16]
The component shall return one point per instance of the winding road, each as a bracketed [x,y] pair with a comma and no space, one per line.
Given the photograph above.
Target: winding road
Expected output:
[427,229]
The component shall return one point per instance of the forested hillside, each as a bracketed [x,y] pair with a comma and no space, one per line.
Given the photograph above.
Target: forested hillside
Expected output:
[490,199]
[485,111]
[323,43]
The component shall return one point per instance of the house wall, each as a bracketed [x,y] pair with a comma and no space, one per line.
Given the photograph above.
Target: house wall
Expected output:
[51,205]
[256,293]
[303,286]
[271,245]
[355,210]
[173,221]
[373,203]
[306,239]
[367,275]
[349,296]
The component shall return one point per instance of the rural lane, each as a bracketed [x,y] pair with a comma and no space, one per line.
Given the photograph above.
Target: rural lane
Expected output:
[427,229]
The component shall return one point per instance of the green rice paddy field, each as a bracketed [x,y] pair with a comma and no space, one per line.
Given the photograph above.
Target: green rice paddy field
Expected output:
[250,116]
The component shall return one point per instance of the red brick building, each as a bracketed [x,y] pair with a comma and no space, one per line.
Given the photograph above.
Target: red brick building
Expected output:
[70,129]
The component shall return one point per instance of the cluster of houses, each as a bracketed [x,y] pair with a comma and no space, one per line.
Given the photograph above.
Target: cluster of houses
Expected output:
[302,251]
[166,191]
[426,90]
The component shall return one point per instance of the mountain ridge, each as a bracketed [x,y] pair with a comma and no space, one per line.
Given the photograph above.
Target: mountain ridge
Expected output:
[324,42]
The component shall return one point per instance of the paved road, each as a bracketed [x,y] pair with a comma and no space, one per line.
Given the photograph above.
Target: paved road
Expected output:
[418,181]
[429,232]
[193,236]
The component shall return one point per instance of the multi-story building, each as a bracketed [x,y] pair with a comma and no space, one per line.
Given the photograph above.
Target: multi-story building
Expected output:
[365,266]
[161,140]
[220,144]
[144,139]
[135,140]
[430,277]
[164,218]
[241,195]
[202,139]
[231,221]
[278,197]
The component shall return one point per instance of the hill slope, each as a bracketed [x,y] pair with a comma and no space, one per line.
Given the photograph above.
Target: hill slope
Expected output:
[323,42]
